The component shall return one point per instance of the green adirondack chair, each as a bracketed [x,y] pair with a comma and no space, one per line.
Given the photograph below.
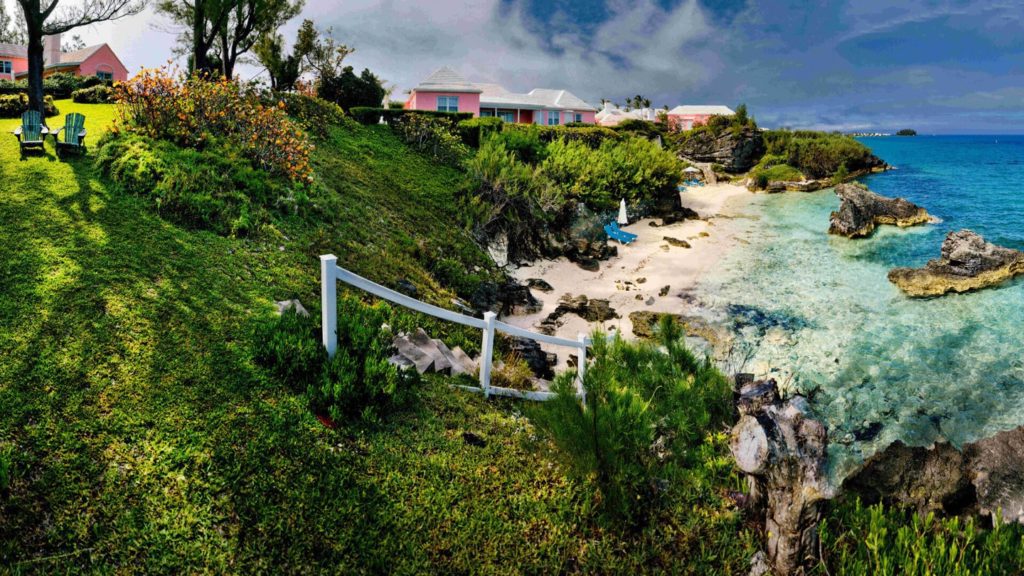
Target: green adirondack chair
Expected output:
[31,132]
[74,134]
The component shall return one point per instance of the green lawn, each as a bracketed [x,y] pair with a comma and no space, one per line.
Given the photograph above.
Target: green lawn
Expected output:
[141,436]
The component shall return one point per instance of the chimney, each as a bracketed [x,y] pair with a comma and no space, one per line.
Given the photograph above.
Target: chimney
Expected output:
[51,49]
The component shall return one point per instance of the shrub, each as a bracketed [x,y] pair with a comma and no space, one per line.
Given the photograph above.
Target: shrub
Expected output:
[99,94]
[14,105]
[647,412]
[60,85]
[358,382]
[433,136]
[524,142]
[193,112]
[6,465]
[592,136]
[841,174]
[513,373]
[314,114]
[370,116]
[476,130]
[510,197]
[634,169]
[818,154]
[348,90]
[215,188]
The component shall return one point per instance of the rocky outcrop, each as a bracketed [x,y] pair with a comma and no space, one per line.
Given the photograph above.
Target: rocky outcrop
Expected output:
[509,298]
[595,310]
[985,477]
[588,252]
[968,263]
[813,184]
[782,452]
[736,152]
[861,210]
[539,361]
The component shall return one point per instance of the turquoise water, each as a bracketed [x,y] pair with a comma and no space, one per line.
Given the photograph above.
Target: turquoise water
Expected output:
[818,313]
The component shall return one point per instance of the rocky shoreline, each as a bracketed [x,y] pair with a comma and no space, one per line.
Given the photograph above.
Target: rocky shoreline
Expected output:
[967,263]
[861,211]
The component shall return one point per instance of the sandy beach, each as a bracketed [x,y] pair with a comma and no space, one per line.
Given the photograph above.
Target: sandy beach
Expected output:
[636,279]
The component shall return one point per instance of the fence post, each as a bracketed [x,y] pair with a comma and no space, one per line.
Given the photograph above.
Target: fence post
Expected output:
[581,368]
[487,353]
[329,302]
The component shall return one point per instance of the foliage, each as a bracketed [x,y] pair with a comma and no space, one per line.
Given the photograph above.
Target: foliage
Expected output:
[476,130]
[194,111]
[592,136]
[818,154]
[513,373]
[433,136]
[12,26]
[14,105]
[59,85]
[320,52]
[776,173]
[859,539]
[348,90]
[646,413]
[358,382]
[510,197]
[907,132]
[315,115]
[634,169]
[284,69]
[371,115]
[215,188]
[6,466]
[525,143]
[841,175]
[643,128]
[100,94]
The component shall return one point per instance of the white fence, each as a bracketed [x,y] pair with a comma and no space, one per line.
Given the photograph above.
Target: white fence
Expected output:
[331,273]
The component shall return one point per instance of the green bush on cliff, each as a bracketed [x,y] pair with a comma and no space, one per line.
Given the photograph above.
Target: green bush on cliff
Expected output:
[639,436]
[818,154]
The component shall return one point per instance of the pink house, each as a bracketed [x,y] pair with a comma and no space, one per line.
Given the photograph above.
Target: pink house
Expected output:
[98,60]
[447,91]
[686,117]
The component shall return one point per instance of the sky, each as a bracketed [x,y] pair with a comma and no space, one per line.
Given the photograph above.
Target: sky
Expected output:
[852,65]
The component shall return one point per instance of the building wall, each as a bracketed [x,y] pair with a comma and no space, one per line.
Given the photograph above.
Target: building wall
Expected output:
[17,65]
[468,102]
[687,121]
[104,60]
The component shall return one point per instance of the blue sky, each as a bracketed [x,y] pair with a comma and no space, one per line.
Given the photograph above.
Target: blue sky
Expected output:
[940,67]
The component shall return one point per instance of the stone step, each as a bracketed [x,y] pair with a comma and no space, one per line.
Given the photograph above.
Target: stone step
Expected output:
[418,350]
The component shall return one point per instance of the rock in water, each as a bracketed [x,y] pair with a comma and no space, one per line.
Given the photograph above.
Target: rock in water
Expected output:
[968,263]
[861,210]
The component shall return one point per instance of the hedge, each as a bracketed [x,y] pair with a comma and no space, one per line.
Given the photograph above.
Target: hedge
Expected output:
[368,116]
[100,94]
[60,85]
[14,105]
[592,136]
[472,131]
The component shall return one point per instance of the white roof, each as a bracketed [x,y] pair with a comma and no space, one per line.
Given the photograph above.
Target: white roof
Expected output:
[702,110]
[444,79]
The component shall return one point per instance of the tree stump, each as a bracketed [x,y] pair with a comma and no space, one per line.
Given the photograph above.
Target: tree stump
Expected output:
[782,452]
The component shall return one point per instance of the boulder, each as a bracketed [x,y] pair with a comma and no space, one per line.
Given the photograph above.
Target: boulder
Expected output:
[968,263]
[539,284]
[985,477]
[735,151]
[531,353]
[595,310]
[676,242]
[588,252]
[517,299]
[861,210]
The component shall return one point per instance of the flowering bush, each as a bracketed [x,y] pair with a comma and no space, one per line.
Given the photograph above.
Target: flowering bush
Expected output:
[192,111]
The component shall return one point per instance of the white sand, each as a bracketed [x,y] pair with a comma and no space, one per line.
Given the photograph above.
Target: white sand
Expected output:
[649,258]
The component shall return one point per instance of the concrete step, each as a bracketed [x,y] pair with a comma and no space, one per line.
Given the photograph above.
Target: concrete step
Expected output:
[418,350]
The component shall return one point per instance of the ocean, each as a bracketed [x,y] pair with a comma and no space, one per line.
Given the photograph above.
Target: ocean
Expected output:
[817,312]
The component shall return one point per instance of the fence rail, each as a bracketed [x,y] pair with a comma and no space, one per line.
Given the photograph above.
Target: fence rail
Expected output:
[331,273]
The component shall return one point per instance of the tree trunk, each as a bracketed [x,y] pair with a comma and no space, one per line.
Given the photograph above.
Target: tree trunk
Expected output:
[35,69]
[200,49]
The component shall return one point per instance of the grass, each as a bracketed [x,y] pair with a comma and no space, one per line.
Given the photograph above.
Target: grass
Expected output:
[137,434]
[780,173]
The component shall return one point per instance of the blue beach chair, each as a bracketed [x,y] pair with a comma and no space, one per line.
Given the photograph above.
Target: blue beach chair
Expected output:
[613,232]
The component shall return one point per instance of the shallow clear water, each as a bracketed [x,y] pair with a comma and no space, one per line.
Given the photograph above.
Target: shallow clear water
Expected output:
[818,313]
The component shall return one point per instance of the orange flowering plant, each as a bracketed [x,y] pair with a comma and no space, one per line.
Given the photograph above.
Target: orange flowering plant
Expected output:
[192,110]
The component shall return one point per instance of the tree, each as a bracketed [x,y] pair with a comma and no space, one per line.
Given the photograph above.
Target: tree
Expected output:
[42,19]
[741,115]
[221,31]
[76,43]
[348,90]
[12,26]
[322,54]
[284,70]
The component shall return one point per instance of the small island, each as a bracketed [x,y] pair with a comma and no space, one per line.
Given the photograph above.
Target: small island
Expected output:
[907,132]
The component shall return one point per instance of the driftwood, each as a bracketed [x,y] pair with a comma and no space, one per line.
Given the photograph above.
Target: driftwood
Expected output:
[782,452]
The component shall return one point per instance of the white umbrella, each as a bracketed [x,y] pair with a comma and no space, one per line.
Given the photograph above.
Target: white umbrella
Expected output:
[623,218]
[691,169]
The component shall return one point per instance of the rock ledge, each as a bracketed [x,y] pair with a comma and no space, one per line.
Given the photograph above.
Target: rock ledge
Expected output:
[861,210]
[968,263]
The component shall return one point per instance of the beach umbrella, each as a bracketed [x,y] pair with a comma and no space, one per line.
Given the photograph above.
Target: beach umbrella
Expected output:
[691,169]
[623,218]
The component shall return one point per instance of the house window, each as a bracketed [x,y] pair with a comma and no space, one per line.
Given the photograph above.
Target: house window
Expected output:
[553,118]
[105,76]
[486,113]
[5,66]
[507,115]
[577,117]
[447,103]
